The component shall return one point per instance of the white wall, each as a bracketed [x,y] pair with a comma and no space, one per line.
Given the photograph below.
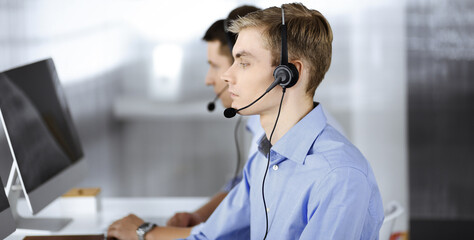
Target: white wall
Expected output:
[379,97]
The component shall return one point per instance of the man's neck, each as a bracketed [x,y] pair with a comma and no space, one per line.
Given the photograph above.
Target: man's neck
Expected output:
[292,111]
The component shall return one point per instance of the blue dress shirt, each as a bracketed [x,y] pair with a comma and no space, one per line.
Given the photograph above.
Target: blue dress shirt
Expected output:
[318,186]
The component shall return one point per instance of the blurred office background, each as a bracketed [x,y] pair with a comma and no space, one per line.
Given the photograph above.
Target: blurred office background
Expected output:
[400,85]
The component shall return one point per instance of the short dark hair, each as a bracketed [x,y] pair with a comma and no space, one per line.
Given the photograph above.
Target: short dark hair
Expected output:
[216,32]
[234,15]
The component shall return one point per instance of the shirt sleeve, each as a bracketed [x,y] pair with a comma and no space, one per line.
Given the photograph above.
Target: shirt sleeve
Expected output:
[231,219]
[196,229]
[338,206]
[231,183]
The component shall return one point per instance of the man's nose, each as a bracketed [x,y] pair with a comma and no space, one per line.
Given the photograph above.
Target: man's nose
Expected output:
[227,76]
[209,80]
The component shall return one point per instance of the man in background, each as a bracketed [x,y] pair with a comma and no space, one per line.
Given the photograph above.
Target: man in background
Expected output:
[219,53]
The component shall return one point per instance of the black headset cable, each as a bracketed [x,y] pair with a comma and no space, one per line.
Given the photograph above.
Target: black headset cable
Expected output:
[268,164]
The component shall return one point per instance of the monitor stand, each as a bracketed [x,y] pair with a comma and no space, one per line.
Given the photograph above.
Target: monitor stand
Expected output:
[14,189]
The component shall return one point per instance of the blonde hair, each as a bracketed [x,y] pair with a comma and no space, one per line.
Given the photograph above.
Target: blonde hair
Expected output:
[309,37]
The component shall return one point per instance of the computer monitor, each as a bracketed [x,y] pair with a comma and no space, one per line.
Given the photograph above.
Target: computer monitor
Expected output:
[46,150]
[7,225]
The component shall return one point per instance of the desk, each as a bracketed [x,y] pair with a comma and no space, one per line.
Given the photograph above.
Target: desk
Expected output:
[152,209]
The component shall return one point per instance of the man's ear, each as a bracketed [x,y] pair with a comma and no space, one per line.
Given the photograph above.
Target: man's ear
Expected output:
[302,83]
[299,66]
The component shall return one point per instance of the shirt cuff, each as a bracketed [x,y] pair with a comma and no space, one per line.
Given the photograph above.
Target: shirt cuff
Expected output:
[197,229]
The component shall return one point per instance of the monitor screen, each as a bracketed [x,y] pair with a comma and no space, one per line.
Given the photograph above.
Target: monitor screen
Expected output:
[7,225]
[37,121]
[3,201]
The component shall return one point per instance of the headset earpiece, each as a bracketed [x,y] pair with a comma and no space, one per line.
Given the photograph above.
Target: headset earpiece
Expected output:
[286,73]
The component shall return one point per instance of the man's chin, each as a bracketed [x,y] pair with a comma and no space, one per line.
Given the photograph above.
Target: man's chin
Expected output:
[226,103]
[244,112]
[235,106]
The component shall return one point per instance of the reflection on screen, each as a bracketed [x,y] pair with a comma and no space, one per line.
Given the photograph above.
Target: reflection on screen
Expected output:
[38,122]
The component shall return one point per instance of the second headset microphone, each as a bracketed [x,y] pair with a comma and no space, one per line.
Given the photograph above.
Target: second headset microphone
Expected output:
[211,105]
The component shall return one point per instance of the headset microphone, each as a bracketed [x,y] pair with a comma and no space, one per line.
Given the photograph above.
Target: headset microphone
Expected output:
[211,105]
[231,112]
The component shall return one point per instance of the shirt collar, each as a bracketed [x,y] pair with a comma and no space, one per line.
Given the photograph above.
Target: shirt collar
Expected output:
[264,145]
[295,144]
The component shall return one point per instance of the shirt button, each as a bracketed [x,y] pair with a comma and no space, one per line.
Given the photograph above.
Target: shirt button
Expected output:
[268,209]
[275,167]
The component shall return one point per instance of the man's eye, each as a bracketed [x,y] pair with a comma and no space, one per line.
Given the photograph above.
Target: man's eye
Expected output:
[244,65]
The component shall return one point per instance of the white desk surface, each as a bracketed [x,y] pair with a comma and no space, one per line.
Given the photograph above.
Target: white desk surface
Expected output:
[157,209]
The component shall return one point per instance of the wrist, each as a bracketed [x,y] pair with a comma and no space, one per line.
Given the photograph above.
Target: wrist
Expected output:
[149,235]
[198,217]
[144,229]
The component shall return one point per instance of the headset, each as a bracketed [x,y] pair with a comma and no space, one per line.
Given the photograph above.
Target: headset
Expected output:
[211,105]
[286,75]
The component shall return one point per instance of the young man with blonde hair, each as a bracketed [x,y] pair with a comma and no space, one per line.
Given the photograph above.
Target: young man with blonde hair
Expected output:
[317,184]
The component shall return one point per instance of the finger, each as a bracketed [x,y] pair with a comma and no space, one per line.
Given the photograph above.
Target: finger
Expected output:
[111,233]
[183,220]
[111,227]
[114,233]
[181,217]
[171,221]
[116,223]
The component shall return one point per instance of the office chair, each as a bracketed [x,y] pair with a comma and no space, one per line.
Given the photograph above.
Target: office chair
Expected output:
[392,212]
